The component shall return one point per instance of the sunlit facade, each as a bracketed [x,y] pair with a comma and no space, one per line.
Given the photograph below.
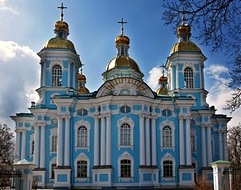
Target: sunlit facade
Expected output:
[124,134]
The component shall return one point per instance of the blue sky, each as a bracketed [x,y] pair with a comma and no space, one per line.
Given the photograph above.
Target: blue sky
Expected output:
[27,25]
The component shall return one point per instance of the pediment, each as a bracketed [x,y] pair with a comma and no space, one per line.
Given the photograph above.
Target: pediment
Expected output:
[125,86]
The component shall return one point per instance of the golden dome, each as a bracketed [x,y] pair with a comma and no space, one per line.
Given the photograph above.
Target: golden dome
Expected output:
[185,46]
[161,91]
[81,77]
[122,39]
[162,78]
[59,43]
[61,25]
[83,90]
[123,62]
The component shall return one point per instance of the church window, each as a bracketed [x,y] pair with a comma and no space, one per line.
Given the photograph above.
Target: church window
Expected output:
[167,136]
[188,78]
[166,112]
[125,132]
[56,76]
[53,166]
[53,139]
[82,112]
[167,168]
[54,143]
[82,136]
[32,147]
[125,109]
[125,135]
[125,168]
[82,169]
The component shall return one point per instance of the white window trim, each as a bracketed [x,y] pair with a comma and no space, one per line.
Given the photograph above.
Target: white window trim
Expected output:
[76,127]
[172,126]
[167,157]
[83,157]
[193,72]
[53,132]
[125,156]
[130,122]
[53,161]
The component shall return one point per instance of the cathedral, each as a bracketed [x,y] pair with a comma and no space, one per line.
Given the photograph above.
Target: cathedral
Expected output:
[123,134]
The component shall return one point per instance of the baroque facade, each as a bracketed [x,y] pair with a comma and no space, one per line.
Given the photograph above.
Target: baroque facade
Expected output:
[124,134]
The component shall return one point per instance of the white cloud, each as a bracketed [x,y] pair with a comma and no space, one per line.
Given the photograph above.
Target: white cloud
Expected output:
[5,7]
[19,76]
[154,74]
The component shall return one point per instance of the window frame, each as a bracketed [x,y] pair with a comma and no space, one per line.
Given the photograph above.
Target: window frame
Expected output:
[170,124]
[126,156]
[56,75]
[168,157]
[120,123]
[76,127]
[82,157]
[53,132]
[188,76]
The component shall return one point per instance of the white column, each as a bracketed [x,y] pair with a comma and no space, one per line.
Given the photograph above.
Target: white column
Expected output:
[17,144]
[181,140]
[209,145]
[102,142]
[67,141]
[44,74]
[153,143]
[204,158]
[42,147]
[220,144]
[96,142]
[148,147]
[23,146]
[60,142]
[36,146]
[225,145]
[142,140]
[188,143]
[108,141]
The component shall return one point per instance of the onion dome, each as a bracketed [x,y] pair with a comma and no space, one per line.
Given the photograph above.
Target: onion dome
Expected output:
[184,43]
[163,85]
[122,39]
[60,41]
[81,81]
[122,64]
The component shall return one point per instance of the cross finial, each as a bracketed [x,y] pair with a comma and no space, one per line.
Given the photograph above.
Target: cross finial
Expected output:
[163,67]
[122,22]
[81,69]
[62,11]
[183,16]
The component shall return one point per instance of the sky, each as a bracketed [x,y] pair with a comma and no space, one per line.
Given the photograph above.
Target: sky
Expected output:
[27,25]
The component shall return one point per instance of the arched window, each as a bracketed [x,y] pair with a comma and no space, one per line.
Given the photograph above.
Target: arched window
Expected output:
[167,168]
[82,169]
[188,78]
[166,136]
[56,76]
[82,137]
[125,135]
[125,168]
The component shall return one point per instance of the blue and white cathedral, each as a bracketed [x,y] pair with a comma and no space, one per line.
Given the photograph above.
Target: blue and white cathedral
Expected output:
[124,134]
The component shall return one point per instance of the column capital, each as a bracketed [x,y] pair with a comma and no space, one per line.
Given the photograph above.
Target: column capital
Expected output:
[142,115]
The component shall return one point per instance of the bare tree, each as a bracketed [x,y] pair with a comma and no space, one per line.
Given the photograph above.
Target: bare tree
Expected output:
[6,155]
[234,150]
[218,25]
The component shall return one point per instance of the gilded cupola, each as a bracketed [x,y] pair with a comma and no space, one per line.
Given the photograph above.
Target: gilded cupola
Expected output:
[60,41]
[122,64]
[162,81]
[184,43]
[81,83]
